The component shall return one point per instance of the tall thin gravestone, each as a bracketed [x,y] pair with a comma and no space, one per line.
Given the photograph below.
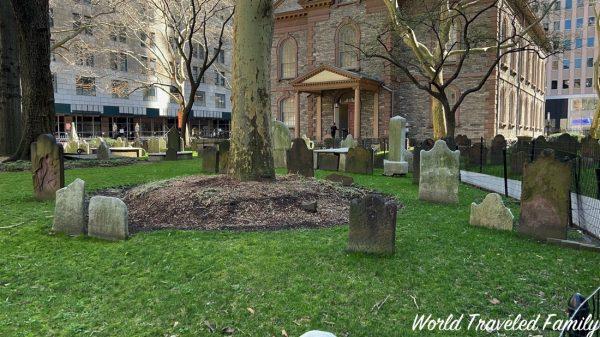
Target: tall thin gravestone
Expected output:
[498,145]
[300,159]
[281,142]
[173,144]
[47,167]
[395,163]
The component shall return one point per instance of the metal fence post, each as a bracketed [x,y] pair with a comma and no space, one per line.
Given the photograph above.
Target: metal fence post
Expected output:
[505,172]
[532,150]
[481,155]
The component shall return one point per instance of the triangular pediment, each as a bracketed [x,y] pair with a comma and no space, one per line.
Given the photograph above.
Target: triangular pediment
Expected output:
[326,76]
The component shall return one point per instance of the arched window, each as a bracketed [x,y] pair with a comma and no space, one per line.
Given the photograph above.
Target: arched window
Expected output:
[287,112]
[288,59]
[502,107]
[347,44]
[511,109]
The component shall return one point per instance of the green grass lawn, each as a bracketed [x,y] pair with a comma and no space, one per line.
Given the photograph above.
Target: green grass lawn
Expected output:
[171,282]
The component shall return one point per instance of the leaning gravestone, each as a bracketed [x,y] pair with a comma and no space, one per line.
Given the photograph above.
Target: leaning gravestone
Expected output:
[69,210]
[223,156]
[108,218]
[545,198]
[210,160]
[349,142]
[300,159]
[395,163]
[173,144]
[372,225]
[496,152]
[103,151]
[47,167]
[439,174]
[282,141]
[491,213]
[359,160]
[328,161]
[426,145]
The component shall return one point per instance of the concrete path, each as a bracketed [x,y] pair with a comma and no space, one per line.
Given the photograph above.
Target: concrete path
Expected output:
[585,211]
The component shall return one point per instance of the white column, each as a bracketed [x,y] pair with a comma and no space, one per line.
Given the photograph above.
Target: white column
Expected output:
[356,131]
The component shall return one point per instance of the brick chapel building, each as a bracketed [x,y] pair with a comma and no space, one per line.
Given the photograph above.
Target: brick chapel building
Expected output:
[318,78]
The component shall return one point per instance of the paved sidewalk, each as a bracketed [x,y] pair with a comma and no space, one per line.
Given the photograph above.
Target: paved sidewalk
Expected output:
[585,211]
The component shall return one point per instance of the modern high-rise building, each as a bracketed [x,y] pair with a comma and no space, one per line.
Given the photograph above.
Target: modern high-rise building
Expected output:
[570,96]
[102,78]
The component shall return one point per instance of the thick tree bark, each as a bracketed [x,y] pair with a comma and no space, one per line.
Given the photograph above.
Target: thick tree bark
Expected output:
[33,33]
[251,157]
[10,91]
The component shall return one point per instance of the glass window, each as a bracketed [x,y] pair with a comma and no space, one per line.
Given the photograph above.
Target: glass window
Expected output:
[591,20]
[347,44]
[568,24]
[568,4]
[567,44]
[120,89]
[200,98]
[556,25]
[577,63]
[85,86]
[565,63]
[554,64]
[565,84]
[588,82]
[590,62]
[590,41]
[150,93]
[287,112]
[579,3]
[557,5]
[554,84]
[220,101]
[579,23]
[578,43]
[219,78]
[288,59]
[577,83]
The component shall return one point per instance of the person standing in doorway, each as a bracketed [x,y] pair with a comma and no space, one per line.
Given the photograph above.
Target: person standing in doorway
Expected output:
[333,130]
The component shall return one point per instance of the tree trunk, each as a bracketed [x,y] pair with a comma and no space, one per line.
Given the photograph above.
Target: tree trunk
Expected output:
[450,121]
[437,114]
[250,156]
[10,91]
[33,34]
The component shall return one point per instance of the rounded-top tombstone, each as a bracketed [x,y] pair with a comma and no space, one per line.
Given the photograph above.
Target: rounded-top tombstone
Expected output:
[281,140]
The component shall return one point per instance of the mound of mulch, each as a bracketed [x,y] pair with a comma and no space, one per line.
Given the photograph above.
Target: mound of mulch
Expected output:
[219,202]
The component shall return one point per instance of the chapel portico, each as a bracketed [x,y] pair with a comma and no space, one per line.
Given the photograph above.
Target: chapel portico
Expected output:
[345,92]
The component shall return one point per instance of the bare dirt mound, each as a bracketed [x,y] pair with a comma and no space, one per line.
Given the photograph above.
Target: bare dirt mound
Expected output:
[219,202]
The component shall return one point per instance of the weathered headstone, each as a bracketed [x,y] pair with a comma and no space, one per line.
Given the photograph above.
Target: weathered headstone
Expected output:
[69,210]
[103,151]
[540,145]
[408,156]
[395,163]
[496,151]
[210,160]
[517,162]
[108,218]
[340,178]
[328,161]
[359,160]
[439,174]
[372,225]
[173,144]
[462,141]
[300,159]
[426,145]
[523,144]
[282,141]
[565,146]
[157,145]
[119,142]
[223,156]
[328,142]
[545,198]
[349,142]
[491,213]
[47,167]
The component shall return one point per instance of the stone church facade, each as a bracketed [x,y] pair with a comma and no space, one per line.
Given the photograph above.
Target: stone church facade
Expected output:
[317,79]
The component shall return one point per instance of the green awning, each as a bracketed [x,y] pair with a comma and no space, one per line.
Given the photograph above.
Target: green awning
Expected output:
[152,112]
[111,110]
[62,108]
